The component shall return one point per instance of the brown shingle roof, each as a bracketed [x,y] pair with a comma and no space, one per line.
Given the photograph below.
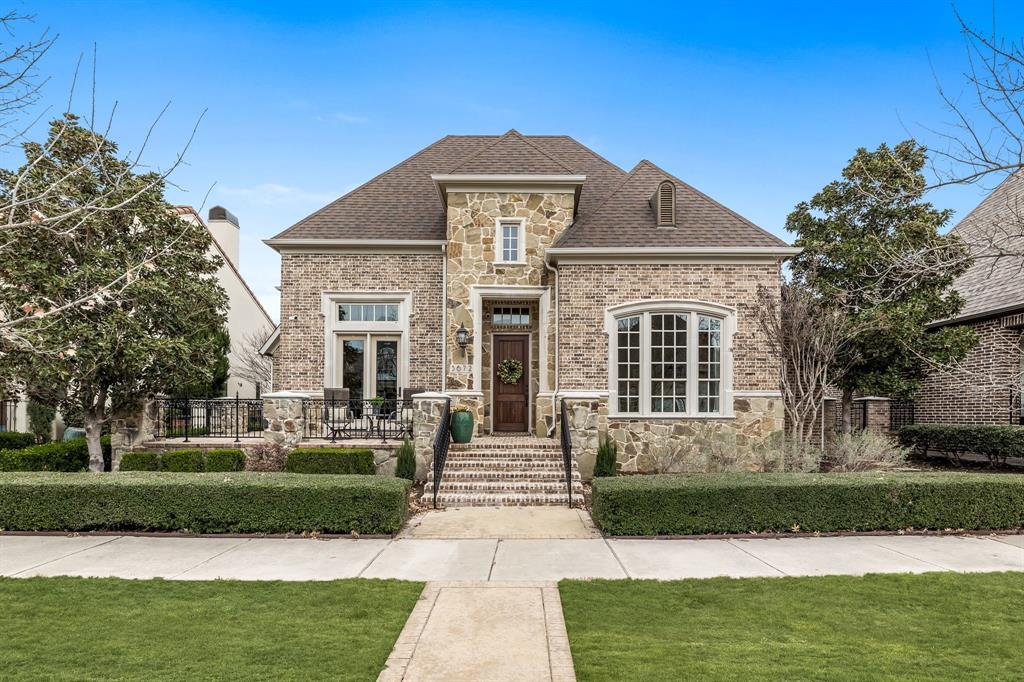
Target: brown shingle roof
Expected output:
[626,219]
[994,231]
[403,203]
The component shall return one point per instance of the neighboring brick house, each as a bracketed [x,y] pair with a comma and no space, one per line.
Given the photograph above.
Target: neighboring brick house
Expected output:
[630,294]
[987,384]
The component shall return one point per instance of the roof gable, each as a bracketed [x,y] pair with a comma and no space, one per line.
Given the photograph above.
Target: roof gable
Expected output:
[625,218]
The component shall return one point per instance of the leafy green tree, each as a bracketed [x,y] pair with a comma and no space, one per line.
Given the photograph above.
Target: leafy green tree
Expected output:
[153,312]
[857,234]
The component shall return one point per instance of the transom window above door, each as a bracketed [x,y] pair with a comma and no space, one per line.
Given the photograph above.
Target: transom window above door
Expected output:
[669,361]
[367,312]
[509,243]
[511,317]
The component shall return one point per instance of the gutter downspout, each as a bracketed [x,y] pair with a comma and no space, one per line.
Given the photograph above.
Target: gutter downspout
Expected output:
[444,316]
[554,393]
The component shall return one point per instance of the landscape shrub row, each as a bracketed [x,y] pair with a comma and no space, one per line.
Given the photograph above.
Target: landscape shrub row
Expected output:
[697,504]
[330,461]
[72,455]
[236,503]
[15,440]
[184,461]
[997,442]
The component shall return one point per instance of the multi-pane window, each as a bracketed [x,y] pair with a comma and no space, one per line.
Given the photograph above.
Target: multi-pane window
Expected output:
[510,238]
[368,312]
[668,362]
[510,317]
[628,365]
[709,363]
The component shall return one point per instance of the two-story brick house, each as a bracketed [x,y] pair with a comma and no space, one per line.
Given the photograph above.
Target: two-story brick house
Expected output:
[629,293]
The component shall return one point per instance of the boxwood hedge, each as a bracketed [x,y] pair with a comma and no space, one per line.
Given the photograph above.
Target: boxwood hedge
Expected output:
[202,503]
[742,503]
[187,461]
[72,455]
[330,461]
[997,442]
[15,440]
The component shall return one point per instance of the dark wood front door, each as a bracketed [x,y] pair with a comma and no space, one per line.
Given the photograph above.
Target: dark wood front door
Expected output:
[511,401]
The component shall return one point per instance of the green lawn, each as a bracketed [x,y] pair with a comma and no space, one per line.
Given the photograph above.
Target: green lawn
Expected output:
[92,629]
[937,626]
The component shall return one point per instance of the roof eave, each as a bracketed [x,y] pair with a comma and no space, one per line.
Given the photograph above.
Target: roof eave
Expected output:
[612,254]
[982,315]
[389,245]
[509,182]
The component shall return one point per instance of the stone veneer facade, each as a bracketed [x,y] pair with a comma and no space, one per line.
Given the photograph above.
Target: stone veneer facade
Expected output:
[982,394]
[299,359]
[472,243]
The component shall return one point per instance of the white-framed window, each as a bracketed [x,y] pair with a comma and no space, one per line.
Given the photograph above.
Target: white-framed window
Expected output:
[670,358]
[509,240]
[366,342]
[510,316]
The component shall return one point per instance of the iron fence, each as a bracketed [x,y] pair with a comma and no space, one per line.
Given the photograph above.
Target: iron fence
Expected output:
[901,413]
[211,417]
[371,419]
[9,415]
[858,416]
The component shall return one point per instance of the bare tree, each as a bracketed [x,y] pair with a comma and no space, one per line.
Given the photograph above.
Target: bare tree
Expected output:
[252,366]
[52,212]
[808,338]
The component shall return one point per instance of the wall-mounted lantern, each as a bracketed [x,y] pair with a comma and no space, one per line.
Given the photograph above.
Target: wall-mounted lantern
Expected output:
[462,336]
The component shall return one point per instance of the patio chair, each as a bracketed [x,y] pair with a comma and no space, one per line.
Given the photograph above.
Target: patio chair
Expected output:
[337,418]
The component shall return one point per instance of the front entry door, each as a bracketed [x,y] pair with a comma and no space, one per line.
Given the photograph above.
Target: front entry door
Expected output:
[511,401]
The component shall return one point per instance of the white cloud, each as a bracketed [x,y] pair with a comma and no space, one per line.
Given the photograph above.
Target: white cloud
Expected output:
[273,194]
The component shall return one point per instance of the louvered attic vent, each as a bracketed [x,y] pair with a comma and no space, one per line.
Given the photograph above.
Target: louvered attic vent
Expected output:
[664,204]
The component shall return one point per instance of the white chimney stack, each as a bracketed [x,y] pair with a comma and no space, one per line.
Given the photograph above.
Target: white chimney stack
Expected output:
[224,227]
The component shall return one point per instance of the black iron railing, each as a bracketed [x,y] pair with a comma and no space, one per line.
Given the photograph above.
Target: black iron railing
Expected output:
[858,416]
[187,418]
[901,413]
[336,420]
[441,442]
[9,415]
[566,450]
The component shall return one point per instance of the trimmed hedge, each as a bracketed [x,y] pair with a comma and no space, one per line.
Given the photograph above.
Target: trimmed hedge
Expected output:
[225,459]
[743,503]
[140,460]
[953,440]
[72,455]
[330,461]
[237,503]
[184,461]
[15,440]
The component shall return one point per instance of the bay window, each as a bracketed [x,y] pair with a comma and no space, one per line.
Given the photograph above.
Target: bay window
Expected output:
[667,360]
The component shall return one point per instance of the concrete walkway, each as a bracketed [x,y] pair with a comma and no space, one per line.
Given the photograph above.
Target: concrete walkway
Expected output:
[483,631]
[500,560]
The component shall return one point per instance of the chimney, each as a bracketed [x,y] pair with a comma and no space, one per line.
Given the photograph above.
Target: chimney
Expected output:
[224,227]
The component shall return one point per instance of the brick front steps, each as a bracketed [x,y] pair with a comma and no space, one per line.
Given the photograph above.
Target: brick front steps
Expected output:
[503,471]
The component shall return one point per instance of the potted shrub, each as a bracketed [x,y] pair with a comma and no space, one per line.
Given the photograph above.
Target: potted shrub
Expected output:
[376,402]
[462,424]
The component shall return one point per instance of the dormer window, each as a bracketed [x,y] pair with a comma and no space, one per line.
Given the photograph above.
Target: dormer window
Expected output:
[509,246]
[664,204]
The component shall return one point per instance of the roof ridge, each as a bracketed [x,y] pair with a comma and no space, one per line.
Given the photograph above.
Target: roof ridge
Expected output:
[359,187]
[508,134]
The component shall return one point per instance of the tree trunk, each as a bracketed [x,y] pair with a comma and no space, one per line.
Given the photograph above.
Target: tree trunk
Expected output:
[847,407]
[93,429]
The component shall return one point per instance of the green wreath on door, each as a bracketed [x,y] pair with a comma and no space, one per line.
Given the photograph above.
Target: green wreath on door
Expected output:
[510,371]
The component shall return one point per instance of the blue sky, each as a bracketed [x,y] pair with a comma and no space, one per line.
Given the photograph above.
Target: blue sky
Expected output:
[758,104]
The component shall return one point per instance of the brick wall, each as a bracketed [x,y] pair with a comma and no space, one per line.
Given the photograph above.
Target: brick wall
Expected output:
[299,360]
[980,393]
[586,290]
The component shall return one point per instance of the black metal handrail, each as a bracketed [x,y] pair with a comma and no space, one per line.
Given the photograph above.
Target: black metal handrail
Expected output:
[369,419]
[441,442]
[214,417]
[566,450]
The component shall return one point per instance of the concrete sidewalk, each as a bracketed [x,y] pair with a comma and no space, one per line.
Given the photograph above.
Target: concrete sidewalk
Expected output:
[483,560]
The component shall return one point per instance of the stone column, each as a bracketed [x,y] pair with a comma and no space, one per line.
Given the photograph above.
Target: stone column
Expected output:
[283,418]
[588,416]
[426,416]
[128,431]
